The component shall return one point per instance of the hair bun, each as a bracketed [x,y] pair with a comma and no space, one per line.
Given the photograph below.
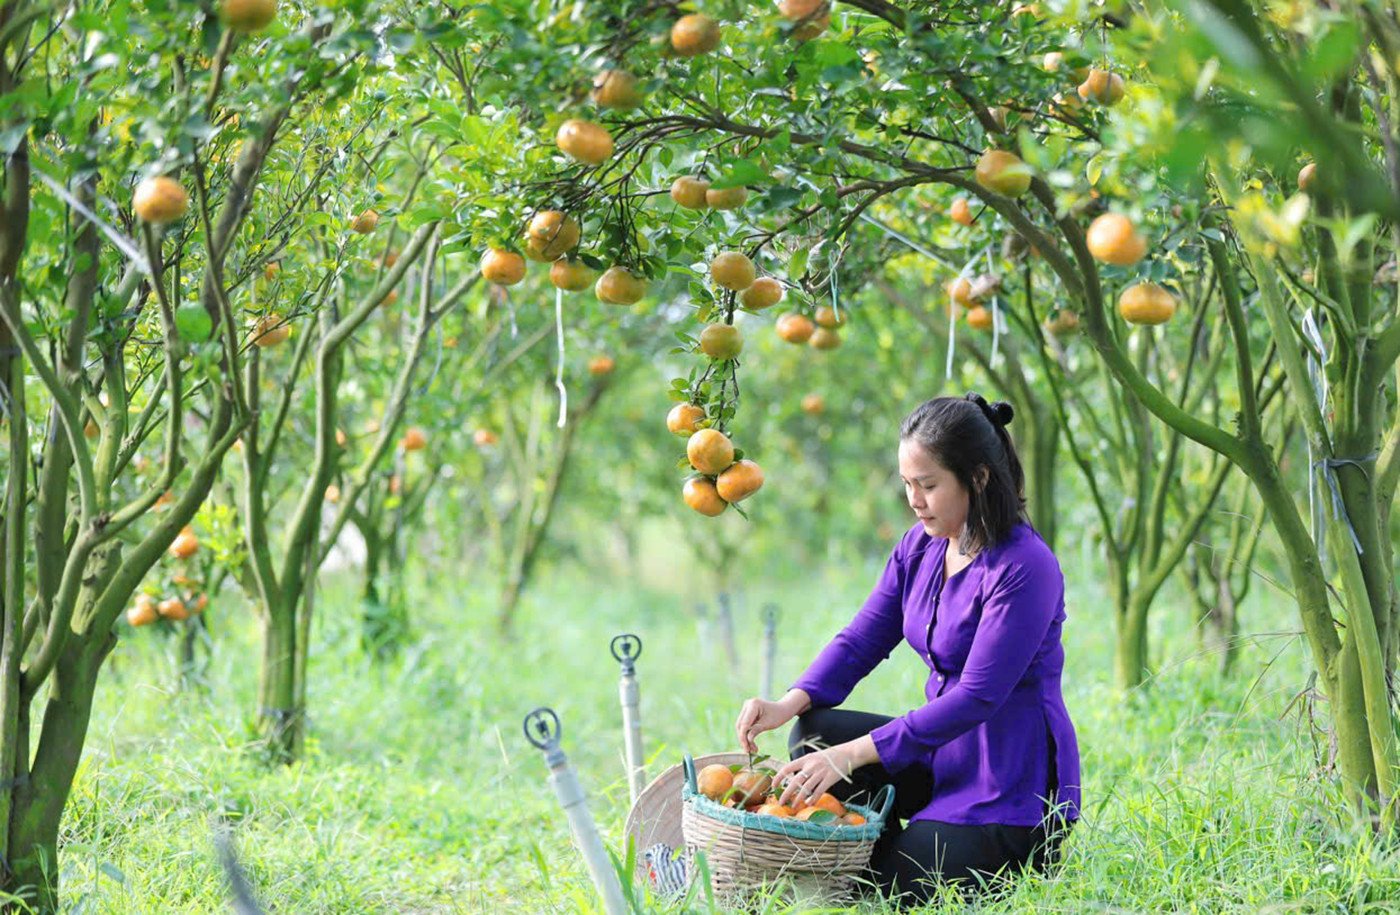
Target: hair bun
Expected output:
[999,413]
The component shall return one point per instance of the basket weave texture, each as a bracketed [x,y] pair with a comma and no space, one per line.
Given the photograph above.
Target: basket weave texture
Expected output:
[745,851]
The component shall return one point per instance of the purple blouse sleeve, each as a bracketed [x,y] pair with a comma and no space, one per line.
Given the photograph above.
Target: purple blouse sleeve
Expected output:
[1016,613]
[867,640]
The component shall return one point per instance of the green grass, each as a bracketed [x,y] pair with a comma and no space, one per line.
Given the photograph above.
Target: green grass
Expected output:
[420,794]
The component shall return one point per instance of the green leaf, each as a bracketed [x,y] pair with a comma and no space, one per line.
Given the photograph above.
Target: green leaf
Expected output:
[797,264]
[1331,55]
[740,173]
[1093,169]
[193,323]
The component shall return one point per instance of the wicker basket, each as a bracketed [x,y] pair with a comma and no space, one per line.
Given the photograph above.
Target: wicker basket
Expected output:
[656,815]
[745,852]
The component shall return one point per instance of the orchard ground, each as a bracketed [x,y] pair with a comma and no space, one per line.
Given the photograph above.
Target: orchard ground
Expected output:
[420,794]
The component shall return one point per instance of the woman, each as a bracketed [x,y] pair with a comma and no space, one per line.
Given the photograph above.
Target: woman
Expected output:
[987,771]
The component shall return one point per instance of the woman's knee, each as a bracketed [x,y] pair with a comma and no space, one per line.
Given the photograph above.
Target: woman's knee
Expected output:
[804,733]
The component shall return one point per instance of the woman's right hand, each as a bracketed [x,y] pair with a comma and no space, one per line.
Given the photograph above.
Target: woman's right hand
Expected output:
[759,715]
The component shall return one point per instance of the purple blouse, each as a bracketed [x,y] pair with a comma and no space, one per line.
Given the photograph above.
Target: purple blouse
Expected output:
[995,731]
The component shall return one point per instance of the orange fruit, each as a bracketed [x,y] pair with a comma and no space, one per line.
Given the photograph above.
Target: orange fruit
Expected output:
[853,819]
[1113,239]
[484,438]
[824,338]
[247,15]
[271,330]
[1065,105]
[200,603]
[570,275]
[1306,176]
[1055,61]
[389,259]
[721,341]
[1003,172]
[395,484]
[813,404]
[550,235]
[827,317]
[690,192]
[504,268]
[184,545]
[694,35]
[601,365]
[979,318]
[271,269]
[340,438]
[683,418]
[700,494]
[774,810]
[714,781]
[1062,323]
[160,200]
[710,451]
[414,439]
[960,291]
[90,429]
[143,612]
[732,270]
[829,803]
[1102,87]
[333,494]
[960,211]
[618,286]
[584,141]
[795,328]
[739,481]
[750,786]
[811,17]
[172,608]
[616,89]
[364,223]
[730,198]
[1146,303]
[765,292]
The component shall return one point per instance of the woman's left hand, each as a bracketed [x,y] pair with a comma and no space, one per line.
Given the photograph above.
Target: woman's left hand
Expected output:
[809,777]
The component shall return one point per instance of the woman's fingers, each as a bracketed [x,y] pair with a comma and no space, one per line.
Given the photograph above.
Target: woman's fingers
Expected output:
[746,726]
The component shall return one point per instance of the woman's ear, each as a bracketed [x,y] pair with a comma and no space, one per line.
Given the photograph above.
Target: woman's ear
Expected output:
[980,476]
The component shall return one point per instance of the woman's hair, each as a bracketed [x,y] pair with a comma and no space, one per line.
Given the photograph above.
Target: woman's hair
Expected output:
[963,434]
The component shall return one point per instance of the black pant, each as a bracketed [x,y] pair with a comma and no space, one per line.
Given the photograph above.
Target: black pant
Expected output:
[909,861]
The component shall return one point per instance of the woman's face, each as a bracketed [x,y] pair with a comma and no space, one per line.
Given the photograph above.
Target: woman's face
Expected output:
[933,492]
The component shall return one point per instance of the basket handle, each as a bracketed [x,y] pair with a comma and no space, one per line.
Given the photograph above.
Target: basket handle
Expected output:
[688,764]
[884,798]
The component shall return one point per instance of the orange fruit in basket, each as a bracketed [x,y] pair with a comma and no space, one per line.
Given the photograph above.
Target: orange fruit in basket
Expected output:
[829,802]
[774,810]
[750,786]
[715,781]
[853,819]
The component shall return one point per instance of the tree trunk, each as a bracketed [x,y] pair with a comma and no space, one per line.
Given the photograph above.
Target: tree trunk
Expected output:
[1130,659]
[384,625]
[726,631]
[280,722]
[38,800]
[1044,442]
